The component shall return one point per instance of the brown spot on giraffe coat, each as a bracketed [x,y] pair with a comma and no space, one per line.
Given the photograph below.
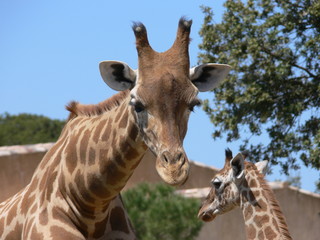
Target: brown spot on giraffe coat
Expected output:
[100,228]
[98,130]
[118,221]
[251,232]
[105,134]
[82,189]
[71,152]
[62,233]
[113,173]
[92,156]
[84,146]
[253,183]
[43,217]
[15,233]
[35,235]
[124,120]
[270,234]
[248,212]
[97,186]
[261,220]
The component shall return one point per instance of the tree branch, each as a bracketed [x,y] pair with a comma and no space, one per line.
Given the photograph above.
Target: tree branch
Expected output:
[267,51]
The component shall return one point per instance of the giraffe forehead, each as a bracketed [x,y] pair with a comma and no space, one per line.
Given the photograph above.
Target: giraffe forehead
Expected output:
[166,89]
[225,172]
[169,61]
[164,71]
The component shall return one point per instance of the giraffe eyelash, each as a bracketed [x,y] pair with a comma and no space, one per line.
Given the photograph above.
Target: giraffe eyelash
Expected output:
[138,106]
[195,103]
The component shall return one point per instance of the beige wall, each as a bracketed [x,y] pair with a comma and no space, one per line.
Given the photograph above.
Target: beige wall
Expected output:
[16,171]
[302,209]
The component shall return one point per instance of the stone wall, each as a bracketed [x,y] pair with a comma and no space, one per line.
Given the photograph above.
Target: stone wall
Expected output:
[17,165]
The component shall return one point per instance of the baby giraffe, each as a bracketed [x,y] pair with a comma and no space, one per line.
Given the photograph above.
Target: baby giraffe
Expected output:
[241,183]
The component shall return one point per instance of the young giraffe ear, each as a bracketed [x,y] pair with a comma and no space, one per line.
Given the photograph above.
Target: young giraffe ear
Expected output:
[237,164]
[207,76]
[118,75]
[262,166]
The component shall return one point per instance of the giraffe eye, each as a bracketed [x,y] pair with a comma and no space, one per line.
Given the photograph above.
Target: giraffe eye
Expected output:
[138,106]
[216,183]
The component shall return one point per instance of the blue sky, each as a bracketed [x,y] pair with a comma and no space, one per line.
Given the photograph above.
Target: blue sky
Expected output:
[50,50]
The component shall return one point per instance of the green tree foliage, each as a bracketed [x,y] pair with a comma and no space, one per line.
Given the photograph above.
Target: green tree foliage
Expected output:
[157,213]
[273,47]
[28,129]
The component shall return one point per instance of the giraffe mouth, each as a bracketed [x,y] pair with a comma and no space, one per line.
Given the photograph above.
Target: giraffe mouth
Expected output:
[173,175]
[208,216]
[173,167]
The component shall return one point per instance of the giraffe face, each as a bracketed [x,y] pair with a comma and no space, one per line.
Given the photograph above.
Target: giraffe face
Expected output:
[224,194]
[162,106]
[163,92]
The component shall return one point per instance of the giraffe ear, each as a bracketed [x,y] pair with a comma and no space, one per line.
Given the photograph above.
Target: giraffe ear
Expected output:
[118,75]
[207,76]
[262,166]
[237,164]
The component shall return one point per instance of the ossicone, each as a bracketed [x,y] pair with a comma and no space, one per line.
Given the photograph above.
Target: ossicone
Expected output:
[185,24]
[141,35]
[228,153]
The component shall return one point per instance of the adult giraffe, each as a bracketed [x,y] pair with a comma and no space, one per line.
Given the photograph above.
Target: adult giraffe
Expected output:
[74,193]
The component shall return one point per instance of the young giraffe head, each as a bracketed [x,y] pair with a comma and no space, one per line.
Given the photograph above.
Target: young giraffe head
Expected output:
[227,186]
[163,93]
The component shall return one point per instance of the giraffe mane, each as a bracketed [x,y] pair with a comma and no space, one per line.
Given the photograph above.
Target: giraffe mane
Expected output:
[274,205]
[88,110]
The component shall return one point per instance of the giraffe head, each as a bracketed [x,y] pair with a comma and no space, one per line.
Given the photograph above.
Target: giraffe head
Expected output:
[227,184]
[163,92]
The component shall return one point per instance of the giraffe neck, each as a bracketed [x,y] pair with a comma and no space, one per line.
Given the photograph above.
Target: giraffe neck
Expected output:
[262,215]
[92,161]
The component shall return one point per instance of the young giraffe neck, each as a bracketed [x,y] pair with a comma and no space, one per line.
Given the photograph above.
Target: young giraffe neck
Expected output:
[261,212]
[94,158]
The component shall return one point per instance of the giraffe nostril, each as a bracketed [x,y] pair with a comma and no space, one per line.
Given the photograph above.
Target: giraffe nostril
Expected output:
[181,158]
[165,158]
[177,158]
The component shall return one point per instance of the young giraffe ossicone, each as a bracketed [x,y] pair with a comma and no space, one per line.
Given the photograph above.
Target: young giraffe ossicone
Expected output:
[241,184]
[75,191]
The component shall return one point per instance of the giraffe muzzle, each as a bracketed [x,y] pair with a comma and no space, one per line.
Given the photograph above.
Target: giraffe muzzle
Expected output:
[206,216]
[173,168]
